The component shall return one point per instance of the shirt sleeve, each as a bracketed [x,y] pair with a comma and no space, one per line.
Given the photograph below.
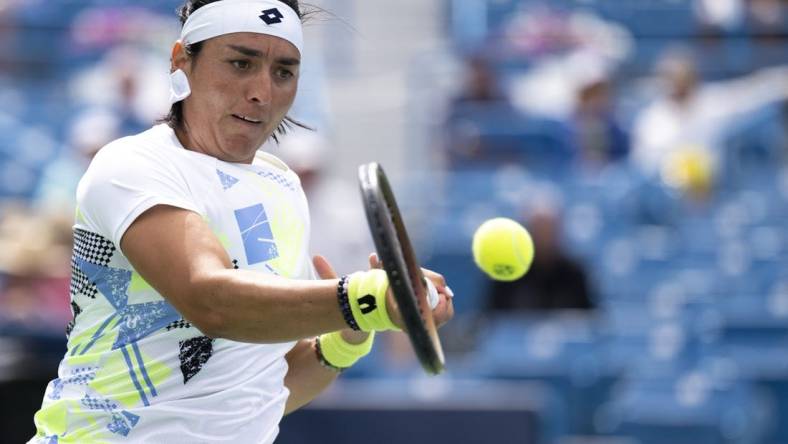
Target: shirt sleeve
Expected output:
[122,182]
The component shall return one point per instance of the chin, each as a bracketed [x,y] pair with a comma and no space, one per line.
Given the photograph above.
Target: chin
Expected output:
[241,148]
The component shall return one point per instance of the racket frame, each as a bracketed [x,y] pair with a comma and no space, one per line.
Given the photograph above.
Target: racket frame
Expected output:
[406,279]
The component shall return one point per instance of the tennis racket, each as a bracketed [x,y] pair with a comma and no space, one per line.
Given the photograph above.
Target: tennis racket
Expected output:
[406,279]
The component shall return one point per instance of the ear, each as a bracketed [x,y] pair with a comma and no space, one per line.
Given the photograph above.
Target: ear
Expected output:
[179,58]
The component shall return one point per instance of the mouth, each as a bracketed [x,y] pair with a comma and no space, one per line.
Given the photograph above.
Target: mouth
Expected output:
[247,119]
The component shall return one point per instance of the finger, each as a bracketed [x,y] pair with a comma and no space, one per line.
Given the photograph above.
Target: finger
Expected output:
[444,311]
[323,268]
[436,278]
[374,261]
[439,312]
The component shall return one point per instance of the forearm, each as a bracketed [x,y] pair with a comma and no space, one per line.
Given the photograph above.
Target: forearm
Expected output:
[248,306]
[307,377]
[176,252]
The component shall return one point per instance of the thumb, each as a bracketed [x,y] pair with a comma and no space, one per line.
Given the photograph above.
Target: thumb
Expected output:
[323,268]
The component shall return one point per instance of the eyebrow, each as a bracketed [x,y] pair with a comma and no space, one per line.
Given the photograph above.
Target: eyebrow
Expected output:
[250,52]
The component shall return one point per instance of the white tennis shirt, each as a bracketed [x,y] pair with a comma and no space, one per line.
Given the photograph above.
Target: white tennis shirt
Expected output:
[135,370]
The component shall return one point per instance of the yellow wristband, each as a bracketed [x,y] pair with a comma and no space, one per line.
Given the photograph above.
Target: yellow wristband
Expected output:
[367,297]
[340,353]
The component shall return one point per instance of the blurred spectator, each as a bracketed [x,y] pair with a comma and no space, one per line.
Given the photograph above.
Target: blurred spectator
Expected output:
[555,281]
[693,116]
[767,18]
[90,131]
[131,82]
[7,34]
[540,31]
[101,26]
[719,14]
[34,311]
[480,102]
[34,262]
[556,45]
[481,86]
[597,135]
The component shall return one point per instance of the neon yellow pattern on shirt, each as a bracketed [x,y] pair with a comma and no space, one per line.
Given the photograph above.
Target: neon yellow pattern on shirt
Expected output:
[287,227]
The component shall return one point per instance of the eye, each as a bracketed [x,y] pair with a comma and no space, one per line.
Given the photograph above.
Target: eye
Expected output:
[243,65]
[284,74]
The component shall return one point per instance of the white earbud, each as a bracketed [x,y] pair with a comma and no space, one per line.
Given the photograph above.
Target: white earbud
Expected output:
[179,86]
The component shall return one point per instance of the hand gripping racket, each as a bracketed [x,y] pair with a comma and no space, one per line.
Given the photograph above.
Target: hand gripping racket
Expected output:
[406,280]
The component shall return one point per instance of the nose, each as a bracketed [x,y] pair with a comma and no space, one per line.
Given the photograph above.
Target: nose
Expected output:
[259,90]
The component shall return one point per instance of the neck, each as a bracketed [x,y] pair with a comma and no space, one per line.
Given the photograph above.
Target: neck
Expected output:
[184,137]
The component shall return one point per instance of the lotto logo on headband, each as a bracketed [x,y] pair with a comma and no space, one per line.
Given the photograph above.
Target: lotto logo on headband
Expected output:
[272,16]
[231,16]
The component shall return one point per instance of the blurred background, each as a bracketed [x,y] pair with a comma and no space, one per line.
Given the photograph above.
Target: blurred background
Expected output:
[642,142]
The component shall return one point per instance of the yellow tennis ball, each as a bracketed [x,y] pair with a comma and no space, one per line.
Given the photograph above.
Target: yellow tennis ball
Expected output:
[503,249]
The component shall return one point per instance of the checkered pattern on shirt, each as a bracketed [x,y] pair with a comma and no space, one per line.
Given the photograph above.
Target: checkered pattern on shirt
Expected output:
[281,180]
[180,323]
[93,248]
[80,283]
[81,376]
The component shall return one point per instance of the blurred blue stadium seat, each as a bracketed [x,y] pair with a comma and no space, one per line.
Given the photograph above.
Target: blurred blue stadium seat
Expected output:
[563,351]
[689,408]
[483,135]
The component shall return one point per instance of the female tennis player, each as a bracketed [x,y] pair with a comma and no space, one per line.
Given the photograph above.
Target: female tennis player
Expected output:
[198,314]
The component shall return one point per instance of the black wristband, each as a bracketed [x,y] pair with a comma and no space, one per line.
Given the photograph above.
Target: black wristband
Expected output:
[344,303]
[322,359]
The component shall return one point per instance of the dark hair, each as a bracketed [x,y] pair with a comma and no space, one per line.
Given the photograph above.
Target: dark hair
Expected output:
[175,117]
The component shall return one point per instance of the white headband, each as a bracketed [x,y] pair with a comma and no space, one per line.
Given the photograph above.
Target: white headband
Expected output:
[270,17]
[259,16]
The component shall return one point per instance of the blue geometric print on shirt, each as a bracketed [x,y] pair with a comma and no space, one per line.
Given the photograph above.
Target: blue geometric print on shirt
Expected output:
[256,233]
[136,320]
[227,180]
[133,322]
[113,283]
[140,320]
[121,423]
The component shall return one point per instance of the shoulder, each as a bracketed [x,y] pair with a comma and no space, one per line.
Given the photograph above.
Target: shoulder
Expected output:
[129,176]
[152,150]
[154,142]
[134,160]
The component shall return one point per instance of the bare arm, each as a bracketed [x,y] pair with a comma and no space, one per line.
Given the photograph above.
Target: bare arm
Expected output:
[306,377]
[176,252]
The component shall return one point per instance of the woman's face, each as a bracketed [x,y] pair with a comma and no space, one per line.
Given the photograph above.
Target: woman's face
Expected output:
[243,85]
